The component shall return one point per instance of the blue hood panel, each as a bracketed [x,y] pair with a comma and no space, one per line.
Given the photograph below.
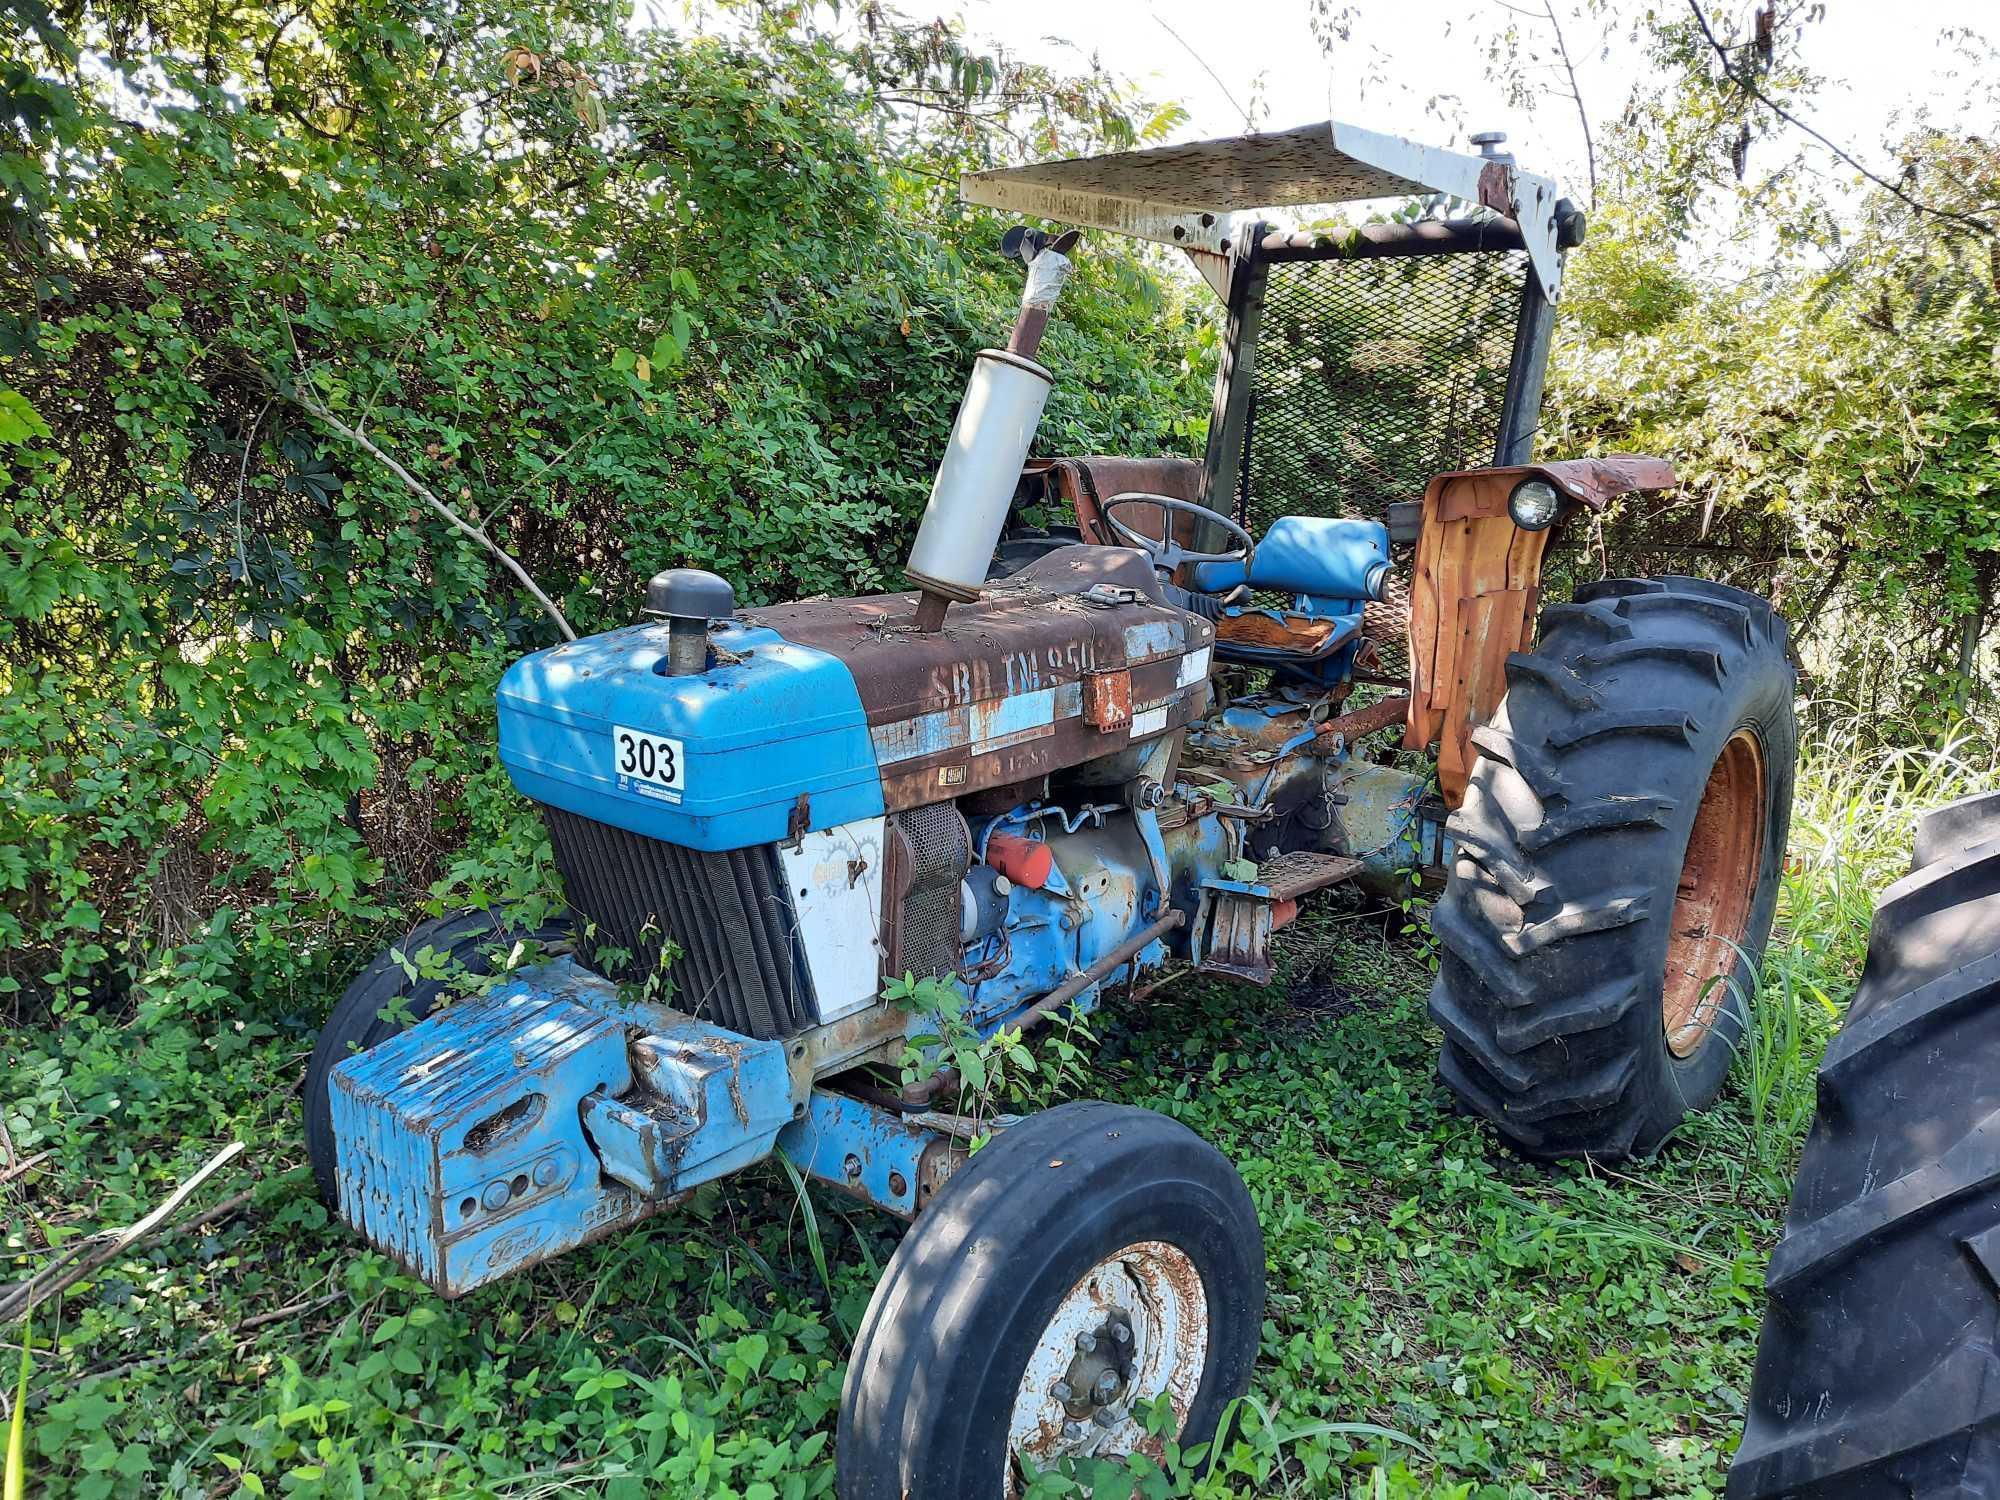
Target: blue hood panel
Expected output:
[756,734]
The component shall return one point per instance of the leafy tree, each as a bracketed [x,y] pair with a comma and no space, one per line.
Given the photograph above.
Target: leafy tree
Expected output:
[622,301]
[1831,412]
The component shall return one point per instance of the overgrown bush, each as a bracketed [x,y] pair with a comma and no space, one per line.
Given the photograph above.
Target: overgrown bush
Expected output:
[628,301]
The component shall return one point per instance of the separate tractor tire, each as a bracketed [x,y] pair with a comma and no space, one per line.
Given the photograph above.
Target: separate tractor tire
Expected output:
[1618,853]
[467,940]
[1878,1373]
[1096,1250]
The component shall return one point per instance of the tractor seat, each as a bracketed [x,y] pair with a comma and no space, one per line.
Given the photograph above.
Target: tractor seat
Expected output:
[1281,633]
[1330,565]
[1326,557]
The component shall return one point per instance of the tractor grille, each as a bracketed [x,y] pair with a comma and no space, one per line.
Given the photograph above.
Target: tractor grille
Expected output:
[729,913]
[1371,376]
[932,851]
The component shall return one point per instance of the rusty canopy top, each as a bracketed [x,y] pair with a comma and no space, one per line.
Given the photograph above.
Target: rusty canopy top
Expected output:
[1185,196]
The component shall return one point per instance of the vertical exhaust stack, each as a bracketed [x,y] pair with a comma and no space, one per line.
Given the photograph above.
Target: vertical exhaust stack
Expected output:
[989,442]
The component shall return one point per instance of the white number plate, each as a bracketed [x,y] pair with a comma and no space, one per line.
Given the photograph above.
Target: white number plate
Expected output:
[649,758]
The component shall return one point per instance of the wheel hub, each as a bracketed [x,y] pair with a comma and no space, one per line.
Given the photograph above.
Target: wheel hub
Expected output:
[1718,881]
[1133,1329]
[1100,1374]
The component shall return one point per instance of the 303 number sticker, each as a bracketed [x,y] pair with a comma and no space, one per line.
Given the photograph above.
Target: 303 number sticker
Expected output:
[650,758]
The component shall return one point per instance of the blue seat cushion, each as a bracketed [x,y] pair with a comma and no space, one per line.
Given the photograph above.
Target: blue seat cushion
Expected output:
[1327,557]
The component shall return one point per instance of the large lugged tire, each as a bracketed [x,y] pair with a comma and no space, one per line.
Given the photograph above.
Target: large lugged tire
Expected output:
[1088,1257]
[1878,1373]
[1618,853]
[464,940]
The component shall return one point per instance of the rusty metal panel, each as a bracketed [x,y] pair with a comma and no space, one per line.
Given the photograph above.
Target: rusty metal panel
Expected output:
[996,696]
[1594,482]
[1186,195]
[1087,482]
[1345,729]
[1107,699]
[1473,592]
[894,1163]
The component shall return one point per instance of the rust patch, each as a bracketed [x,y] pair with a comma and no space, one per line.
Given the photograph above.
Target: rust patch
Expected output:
[1474,588]
[1107,700]
[997,696]
[1292,633]
[940,1159]
[1349,727]
[1718,882]
[1086,482]
[1594,482]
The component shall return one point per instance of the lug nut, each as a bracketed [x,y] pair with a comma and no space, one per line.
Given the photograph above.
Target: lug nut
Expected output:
[1120,1334]
[1072,1431]
[1061,1391]
[1086,1343]
[1106,1389]
[1106,1418]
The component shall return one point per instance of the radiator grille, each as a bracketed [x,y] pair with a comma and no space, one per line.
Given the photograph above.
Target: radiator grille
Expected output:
[935,852]
[741,964]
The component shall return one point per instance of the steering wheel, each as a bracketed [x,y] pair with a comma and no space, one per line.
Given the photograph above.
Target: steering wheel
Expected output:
[1167,554]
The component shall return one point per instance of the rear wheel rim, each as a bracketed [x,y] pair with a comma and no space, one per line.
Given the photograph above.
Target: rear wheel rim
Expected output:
[1718,886]
[1136,1327]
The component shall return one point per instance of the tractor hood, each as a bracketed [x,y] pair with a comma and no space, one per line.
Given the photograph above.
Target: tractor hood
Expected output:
[816,714]
[718,760]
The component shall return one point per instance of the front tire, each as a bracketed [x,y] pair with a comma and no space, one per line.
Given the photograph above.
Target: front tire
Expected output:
[1617,865]
[1086,1258]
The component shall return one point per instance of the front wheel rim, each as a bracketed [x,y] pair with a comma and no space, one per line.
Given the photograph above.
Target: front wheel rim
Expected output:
[1134,1328]
[1718,886]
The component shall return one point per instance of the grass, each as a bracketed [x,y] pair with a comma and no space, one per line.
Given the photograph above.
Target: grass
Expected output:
[1528,1331]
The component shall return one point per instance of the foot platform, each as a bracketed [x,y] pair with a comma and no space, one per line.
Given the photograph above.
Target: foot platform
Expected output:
[1242,914]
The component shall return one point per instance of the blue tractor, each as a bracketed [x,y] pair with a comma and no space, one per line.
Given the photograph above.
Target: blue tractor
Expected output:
[1079,754]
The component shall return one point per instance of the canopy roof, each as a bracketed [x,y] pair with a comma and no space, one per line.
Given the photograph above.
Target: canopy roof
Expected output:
[1187,195]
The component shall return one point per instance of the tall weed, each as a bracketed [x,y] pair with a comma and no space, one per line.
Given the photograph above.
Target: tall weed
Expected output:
[1854,816]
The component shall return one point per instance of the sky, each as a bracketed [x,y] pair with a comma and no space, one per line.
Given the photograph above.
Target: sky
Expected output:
[1879,58]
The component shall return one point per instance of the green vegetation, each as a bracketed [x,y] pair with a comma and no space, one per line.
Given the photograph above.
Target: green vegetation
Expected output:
[1531,1331]
[632,300]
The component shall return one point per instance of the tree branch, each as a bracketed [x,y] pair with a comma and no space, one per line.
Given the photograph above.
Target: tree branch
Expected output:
[1248,123]
[88,1255]
[1576,93]
[1840,152]
[314,409]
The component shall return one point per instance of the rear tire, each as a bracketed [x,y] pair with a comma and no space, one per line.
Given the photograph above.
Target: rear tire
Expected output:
[1877,1372]
[997,1282]
[465,941]
[1617,864]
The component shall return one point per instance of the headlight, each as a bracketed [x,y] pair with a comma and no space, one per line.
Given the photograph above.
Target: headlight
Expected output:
[1534,504]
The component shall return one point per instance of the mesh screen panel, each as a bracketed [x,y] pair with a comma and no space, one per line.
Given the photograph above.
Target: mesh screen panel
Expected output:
[1373,375]
[939,853]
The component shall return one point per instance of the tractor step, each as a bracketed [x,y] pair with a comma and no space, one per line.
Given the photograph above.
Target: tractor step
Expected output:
[1290,876]
[1244,913]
